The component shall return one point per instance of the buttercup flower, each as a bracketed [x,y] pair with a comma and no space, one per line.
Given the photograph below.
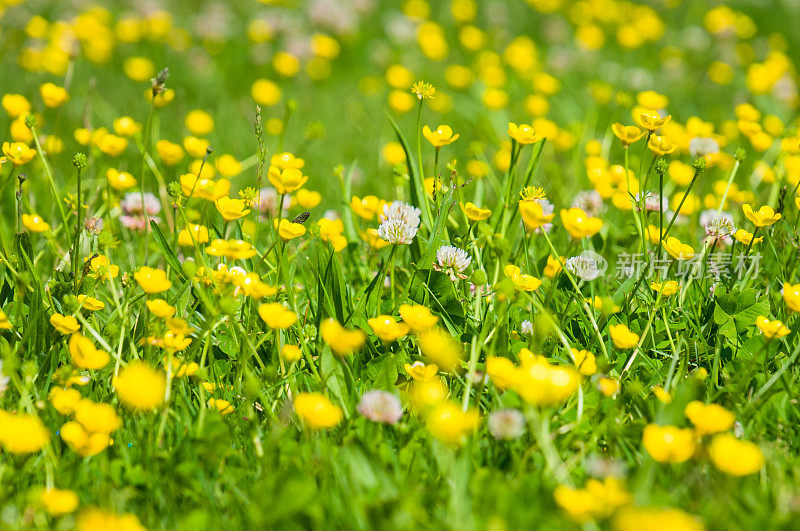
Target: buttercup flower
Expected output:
[66,324]
[523,133]
[533,214]
[276,315]
[442,136]
[622,337]
[676,249]
[627,134]
[34,223]
[448,423]
[668,444]
[735,457]
[417,317]
[53,95]
[709,418]
[649,119]
[745,237]
[341,340]
[231,209]
[85,355]
[140,387]
[287,180]
[152,280]
[763,217]
[476,213]
[387,328]
[289,230]
[21,433]
[316,411]
[578,224]
[772,329]
[18,153]
[57,501]
[521,280]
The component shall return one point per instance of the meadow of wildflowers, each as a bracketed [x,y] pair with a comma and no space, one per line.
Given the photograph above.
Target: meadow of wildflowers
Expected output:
[356,264]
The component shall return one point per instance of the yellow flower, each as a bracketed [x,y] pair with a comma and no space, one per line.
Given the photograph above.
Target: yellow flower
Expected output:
[387,328]
[442,136]
[34,223]
[660,145]
[608,386]
[771,329]
[649,119]
[655,518]
[21,433]
[708,418]
[289,230]
[308,199]
[120,180]
[522,281]
[53,95]
[102,269]
[553,266]
[66,324]
[417,317]
[316,411]
[152,280]
[365,208]
[64,400]
[476,213]
[291,353]
[139,386]
[578,224]
[126,126]
[160,308]
[763,217]
[676,249]
[501,371]
[791,296]
[93,519]
[421,372]
[276,315]
[286,180]
[112,145]
[233,249]
[223,406]
[231,209]
[15,105]
[287,160]
[532,214]
[82,441]
[663,396]
[57,502]
[199,122]
[96,417]
[448,423]
[541,384]
[524,133]
[622,337]
[330,230]
[90,303]
[198,234]
[735,457]
[627,134]
[4,323]
[341,340]
[668,444]
[18,153]
[598,499]
[745,237]
[85,355]
[585,361]
[667,288]
[265,92]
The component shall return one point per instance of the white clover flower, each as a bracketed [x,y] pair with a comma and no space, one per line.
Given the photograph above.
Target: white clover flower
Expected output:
[700,146]
[547,209]
[452,260]
[526,328]
[507,424]
[585,266]
[397,231]
[402,211]
[380,406]
[718,225]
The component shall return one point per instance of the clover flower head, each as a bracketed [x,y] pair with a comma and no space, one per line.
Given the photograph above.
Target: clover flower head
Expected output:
[590,201]
[402,211]
[452,260]
[380,406]
[718,225]
[583,266]
[701,146]
[507,424]
[397,231]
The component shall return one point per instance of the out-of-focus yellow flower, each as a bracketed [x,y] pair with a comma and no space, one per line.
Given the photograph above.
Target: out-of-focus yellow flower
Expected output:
[524,133]
[317,411]
[90,303]
[708,418]
[668,444]
[276,315]
[308,199]
[120,180]
[199,122]
[194,186]
[387,328]
[222,406]
[441,348]
[21,433]
[608,386]
[532,214]
[735,457]
[66,324]
[34,223]
[791,296]
[52,95]
[442,136]
[365,208]
[152,280]
[265,92]
[58,502]
[639,518]
[160,308]
[233,249]
[521,280]
[421,372]
[553,266]
[291,353]
[448,423]
[85,355]
[18,153]
[584,361]
[772,329]
[476,213]
[15,105]
[112,145]
[417,317]
[198,234]
[542,384]
[342,341]
[289,230]
[762,217]
[622,337]
[670,287]
[141,387]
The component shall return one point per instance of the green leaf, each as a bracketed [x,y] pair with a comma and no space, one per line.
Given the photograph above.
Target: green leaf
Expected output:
[417,185]
[166,250]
